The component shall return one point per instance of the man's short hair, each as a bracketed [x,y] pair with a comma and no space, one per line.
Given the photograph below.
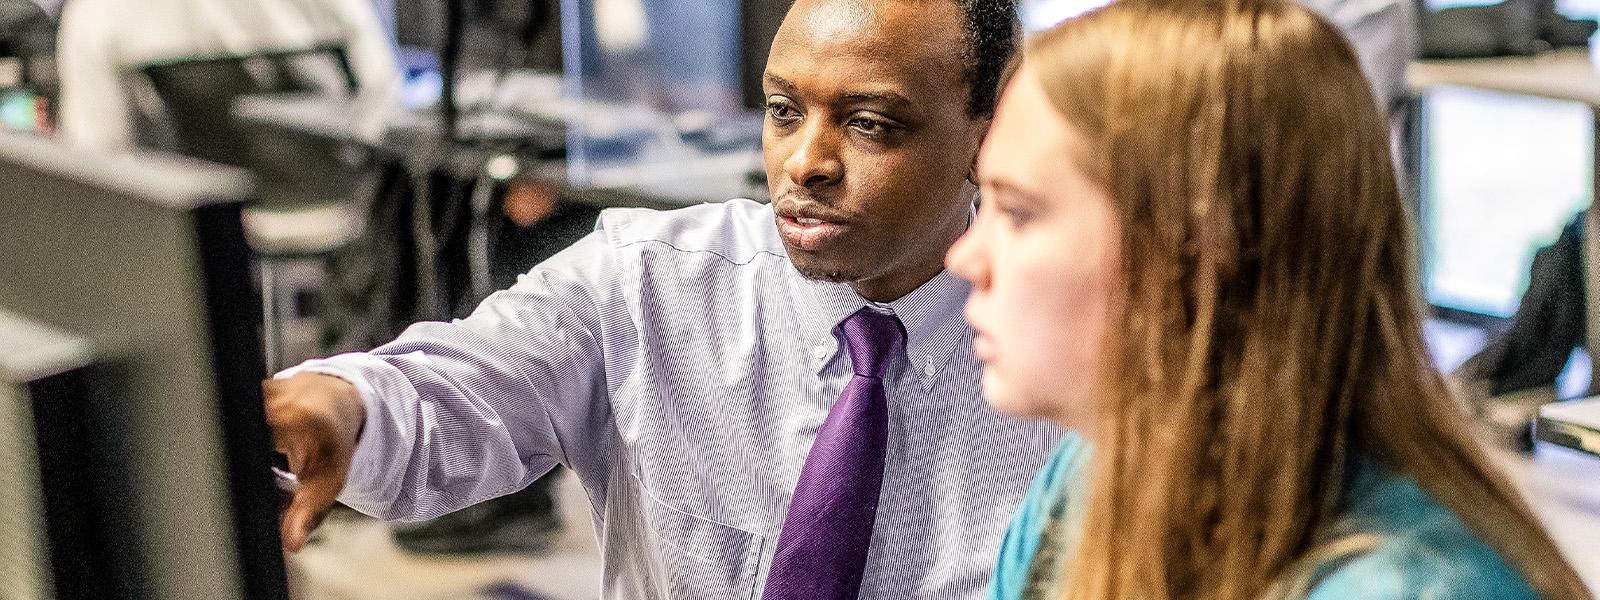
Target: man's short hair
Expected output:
[991,33]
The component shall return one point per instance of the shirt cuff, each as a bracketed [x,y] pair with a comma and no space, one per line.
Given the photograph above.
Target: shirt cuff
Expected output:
[376,469]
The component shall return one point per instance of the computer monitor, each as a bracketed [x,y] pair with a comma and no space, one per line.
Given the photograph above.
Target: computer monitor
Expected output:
[49,535]
[669,56]
[496,33]
[1500,175]
[196,95]
[146,258]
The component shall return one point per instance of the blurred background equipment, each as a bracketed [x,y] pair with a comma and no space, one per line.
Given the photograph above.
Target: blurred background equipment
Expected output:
[1574,425]
[1480,28]
[50,539]
[102,42]
[189,101]
[145,258]
[27,70]
[1503,152]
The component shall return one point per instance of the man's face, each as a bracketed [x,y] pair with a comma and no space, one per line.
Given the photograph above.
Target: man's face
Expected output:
[868,141]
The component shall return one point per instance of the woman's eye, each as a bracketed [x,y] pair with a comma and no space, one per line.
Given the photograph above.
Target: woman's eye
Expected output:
[1016,217]
[1010,210]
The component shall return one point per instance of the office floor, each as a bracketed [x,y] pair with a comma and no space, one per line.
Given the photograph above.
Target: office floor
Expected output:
[355,558]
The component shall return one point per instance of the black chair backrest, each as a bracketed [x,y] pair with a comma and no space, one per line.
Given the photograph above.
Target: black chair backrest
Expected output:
[196,96]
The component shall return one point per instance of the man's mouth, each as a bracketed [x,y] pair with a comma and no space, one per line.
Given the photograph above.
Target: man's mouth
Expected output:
[807,225]
[808,233]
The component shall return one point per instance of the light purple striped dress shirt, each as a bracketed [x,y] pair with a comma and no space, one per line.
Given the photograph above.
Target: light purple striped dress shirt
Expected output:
[681,366]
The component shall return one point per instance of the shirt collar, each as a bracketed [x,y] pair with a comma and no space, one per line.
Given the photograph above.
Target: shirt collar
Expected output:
[931,315]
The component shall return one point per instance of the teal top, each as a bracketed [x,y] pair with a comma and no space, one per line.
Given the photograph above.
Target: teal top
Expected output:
[1426,552]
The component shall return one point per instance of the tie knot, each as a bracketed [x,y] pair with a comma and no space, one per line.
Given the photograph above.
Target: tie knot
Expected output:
[873,337]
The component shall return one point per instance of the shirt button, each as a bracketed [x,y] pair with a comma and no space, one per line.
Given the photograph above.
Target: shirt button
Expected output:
[819,354]
[927,371]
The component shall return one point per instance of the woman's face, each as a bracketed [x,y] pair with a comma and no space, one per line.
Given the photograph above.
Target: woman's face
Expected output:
[1043,259]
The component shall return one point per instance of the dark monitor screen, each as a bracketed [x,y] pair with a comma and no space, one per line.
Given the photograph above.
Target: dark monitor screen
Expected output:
[146,258]
[495,33]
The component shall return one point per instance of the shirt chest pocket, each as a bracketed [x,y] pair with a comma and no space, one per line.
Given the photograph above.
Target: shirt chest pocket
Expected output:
[700,558]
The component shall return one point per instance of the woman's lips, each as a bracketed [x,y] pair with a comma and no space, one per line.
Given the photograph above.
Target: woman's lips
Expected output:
[982,348]
[808,234]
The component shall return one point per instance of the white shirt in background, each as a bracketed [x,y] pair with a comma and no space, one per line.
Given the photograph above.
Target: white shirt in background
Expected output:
[101,41]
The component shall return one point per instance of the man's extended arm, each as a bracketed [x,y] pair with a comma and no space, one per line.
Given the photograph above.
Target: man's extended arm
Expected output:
[450,414]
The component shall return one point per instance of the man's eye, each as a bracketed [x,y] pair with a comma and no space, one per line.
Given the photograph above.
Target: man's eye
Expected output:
[782,113]
[870,126]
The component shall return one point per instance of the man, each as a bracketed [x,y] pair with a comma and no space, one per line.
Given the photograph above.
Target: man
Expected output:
[778,399]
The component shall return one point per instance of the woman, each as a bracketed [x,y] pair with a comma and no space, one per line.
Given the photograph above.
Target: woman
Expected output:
[1192,252]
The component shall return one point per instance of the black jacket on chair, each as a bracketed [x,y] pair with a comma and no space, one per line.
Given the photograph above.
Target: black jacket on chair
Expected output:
[1547,326]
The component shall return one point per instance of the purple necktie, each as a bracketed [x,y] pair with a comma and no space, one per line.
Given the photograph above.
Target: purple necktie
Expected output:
[822,549]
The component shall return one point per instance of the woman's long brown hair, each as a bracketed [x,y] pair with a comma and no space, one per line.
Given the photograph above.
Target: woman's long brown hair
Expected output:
[1272,325]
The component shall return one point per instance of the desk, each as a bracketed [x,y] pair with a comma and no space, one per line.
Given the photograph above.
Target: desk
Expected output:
[1563,488]
[1561,75]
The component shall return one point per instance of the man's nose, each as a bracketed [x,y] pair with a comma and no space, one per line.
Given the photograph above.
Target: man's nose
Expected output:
[815,161]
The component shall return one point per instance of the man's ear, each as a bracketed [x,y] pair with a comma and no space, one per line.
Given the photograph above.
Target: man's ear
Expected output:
[983,134]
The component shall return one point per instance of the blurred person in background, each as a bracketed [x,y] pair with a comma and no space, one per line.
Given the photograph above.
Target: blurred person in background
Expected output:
[1192,253]
[103,41]
[1383,34]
